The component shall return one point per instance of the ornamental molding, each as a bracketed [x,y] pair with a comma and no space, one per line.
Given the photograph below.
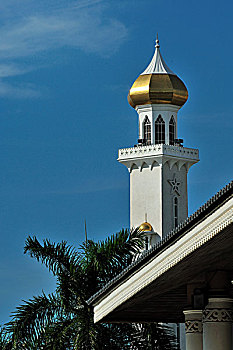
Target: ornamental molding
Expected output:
[152,155]
[191,241]
[142,151]
[217,315]
[193,327]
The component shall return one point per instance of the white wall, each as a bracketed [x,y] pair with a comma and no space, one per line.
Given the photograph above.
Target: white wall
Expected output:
[151,195]
[146,197]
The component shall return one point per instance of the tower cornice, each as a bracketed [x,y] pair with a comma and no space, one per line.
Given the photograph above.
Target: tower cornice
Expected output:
[153,155]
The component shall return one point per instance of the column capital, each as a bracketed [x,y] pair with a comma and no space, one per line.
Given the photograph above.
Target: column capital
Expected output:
[193,329]
[218,310]
[217,324]
[193,321]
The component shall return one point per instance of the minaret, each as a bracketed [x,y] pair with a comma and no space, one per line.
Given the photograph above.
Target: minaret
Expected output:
[158,164]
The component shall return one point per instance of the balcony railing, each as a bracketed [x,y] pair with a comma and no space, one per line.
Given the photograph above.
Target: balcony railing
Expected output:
[157,150]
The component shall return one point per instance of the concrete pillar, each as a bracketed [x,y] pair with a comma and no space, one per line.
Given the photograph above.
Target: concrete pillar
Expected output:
[217,324]
[193,329]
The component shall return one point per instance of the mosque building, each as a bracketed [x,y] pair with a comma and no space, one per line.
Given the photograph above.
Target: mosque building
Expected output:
[185,273]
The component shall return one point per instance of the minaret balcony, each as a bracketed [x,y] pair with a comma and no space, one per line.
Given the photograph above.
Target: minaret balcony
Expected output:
[158,154]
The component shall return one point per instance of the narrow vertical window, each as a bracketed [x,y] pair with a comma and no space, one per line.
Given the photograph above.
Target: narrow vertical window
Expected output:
[175,205]
[146,242]
[159,130]
[172,131]
[147,131]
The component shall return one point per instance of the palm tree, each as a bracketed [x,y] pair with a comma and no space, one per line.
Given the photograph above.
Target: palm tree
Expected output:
[63,320]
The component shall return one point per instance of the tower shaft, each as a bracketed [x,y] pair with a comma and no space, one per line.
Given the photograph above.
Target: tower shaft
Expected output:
[158,184]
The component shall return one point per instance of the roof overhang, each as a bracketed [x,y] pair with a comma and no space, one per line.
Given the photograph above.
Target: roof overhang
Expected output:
[157,290]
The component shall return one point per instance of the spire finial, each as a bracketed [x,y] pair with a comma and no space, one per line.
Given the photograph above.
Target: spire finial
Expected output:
[157,41]
[85,226]
[145,217]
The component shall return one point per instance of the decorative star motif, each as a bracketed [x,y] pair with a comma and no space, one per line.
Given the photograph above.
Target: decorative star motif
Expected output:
[175,185]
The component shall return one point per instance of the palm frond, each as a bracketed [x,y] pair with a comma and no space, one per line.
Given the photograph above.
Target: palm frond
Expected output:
[57,257]
[72,290]
[61,335]
[108,258]
[31,318]
[5,339]
[153,336]
[126,241]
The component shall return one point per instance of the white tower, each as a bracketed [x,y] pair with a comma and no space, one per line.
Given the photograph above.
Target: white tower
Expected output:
[158,164]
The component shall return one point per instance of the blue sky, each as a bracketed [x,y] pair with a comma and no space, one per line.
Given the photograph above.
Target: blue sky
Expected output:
[65,71]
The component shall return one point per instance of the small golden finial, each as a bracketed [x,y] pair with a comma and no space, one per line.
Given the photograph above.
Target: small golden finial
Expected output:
[157,41]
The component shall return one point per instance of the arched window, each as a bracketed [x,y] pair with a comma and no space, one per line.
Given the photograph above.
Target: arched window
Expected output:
[175,211]
[172,130]
[147,131]
[159,130]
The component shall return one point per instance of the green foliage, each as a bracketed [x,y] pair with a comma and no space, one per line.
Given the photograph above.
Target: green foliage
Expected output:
[63,320]
[5,339]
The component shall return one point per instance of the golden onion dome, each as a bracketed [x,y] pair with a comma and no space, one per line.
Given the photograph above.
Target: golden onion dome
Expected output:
[158,85]
[145,227]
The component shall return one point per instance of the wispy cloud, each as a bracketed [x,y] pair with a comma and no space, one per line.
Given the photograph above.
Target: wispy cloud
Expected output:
[39,33]
[10,69]
[24,90]
[46,27]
